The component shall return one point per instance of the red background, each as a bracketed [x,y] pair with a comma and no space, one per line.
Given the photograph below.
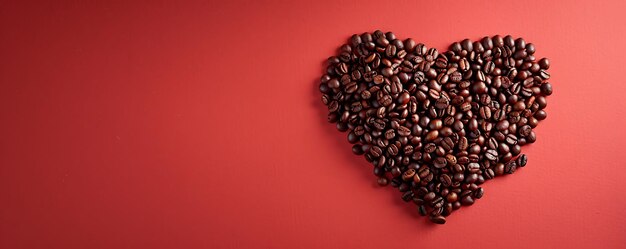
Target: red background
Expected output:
[134,124]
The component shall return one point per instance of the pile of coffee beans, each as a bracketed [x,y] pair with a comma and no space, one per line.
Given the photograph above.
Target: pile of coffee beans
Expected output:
[436,125]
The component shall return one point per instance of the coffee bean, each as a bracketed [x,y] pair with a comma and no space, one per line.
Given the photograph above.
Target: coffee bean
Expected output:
[511,139]
[451,197]
[408,174]
[541,115]
[430,148]
[429,197]
[463,143]
[544,63]
[445,180]
[438,219]
[525,130]
[499,169]
[471,178]
[404,131]
[485,112]
[502,125]
[491,155]
[465,107]
[441,103]
[467,45]
[544,74]
[473,168]
[437,202]
[479,193]
[522,160]
[467,200]
[510,167]
[403,98]
[451,159]
[392,150]
[357,149]
[390,134]
[432,135]
[440,162]
[383,181]
[435,124]
[375,151]
[408,196]
[546,89]
[489,174]
[447,144]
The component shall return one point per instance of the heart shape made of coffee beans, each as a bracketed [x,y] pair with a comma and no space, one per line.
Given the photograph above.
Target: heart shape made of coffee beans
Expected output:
[437,125]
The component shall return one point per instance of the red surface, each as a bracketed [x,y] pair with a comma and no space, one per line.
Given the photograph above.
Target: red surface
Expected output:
[198,125]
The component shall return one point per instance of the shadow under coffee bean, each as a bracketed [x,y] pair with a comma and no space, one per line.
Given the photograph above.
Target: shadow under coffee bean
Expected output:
[437,125]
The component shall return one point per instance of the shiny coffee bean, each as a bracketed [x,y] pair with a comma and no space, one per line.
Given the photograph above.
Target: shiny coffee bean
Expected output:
[438,219]
[522,160]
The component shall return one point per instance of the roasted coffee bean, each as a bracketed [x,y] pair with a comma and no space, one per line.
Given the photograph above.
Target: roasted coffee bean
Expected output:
[485,112]
[437,202]
[429,197]
[395,171]
[403,187]
[452,197]
[438,219]
[404,131]
[467,200]
[379,124]
[466,106]
[473,168]
[458,177]
[440,162]
[491,155]
[375,151]
[432,135]
[510,167]
[546,89]
[430,148]
[408,196]
[489,174]
[451,159]
[436,211]
[445,180]
[441,103]
[447,144]
[357,149]
[390,134]
[463,143]
[382,181]
[479,193]
[403,98]
[541,115]
[436,125]
[522,160]
[392,150]
[511,139]
[499,169]
[408,174]
[502,125]
[471,178]
[525,130]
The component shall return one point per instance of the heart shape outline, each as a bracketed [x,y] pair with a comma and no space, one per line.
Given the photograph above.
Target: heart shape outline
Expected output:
[437,125]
